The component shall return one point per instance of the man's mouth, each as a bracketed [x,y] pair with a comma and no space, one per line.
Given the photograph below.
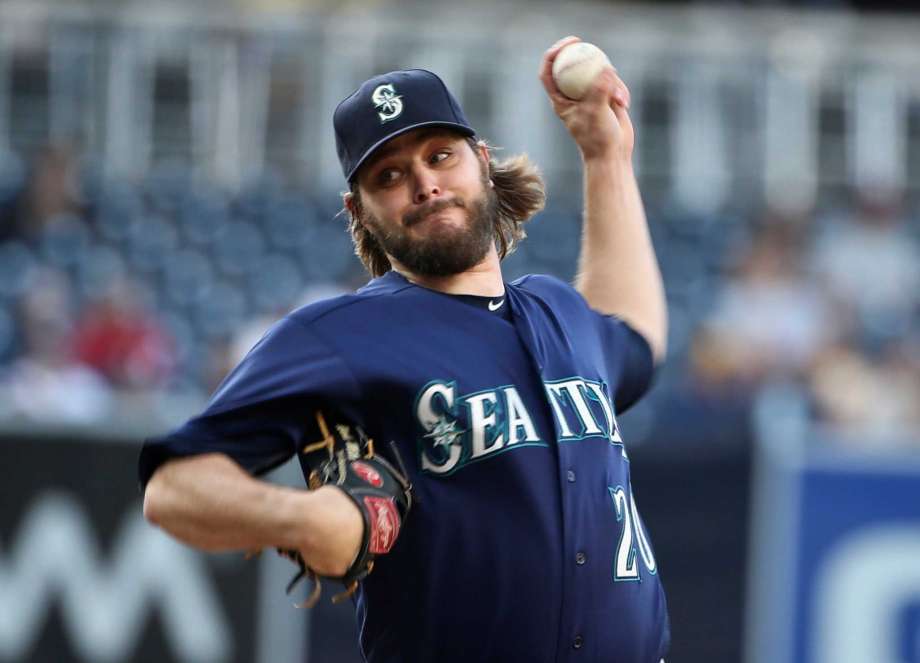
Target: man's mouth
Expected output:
[437,207]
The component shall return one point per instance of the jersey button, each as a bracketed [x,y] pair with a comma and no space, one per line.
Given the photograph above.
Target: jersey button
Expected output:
[570,475]
[580,558]
[578,642]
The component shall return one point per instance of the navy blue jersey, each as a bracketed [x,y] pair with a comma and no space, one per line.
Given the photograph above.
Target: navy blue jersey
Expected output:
[524,542]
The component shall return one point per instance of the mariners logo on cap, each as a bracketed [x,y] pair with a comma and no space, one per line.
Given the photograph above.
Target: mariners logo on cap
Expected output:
[388,104]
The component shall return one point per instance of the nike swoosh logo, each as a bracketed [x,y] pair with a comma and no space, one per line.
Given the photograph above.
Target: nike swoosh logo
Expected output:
[494,307]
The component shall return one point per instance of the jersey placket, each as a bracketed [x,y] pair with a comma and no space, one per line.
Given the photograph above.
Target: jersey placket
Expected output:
[571,642]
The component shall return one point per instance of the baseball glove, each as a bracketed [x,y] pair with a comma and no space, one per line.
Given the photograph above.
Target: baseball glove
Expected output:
[345,458]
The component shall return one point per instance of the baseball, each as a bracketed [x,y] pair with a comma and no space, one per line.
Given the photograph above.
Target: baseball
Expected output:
[576,66]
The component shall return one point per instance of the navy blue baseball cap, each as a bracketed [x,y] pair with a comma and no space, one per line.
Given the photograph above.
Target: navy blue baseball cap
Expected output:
[389,105]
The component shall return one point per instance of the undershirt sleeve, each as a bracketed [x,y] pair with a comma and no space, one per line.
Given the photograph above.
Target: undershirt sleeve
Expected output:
[261,411]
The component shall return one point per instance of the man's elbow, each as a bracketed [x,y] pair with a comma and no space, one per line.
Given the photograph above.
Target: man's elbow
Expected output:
[659,347]
[160,494]
[655,333]
[657,336]
[153,500]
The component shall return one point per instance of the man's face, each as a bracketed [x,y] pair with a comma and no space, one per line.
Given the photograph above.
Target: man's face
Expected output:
[425,198]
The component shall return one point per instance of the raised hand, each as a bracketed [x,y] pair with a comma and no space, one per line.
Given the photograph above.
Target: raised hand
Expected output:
[599,123]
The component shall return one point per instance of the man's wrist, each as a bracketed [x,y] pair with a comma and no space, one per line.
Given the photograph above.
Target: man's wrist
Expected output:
[296,510]
[613,163]
[334,529]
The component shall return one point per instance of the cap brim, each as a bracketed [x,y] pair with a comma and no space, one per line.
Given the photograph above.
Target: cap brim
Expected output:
[460,128]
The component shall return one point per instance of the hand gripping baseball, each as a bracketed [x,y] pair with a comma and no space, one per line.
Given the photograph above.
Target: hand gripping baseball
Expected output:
[345,458]
[598,122]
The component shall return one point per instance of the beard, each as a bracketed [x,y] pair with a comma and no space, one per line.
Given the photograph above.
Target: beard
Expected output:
[446,251]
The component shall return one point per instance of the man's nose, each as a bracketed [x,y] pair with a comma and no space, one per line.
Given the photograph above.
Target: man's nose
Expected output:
[426,186]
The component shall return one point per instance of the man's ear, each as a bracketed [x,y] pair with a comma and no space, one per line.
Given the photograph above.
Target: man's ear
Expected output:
[348,200]
[482,151]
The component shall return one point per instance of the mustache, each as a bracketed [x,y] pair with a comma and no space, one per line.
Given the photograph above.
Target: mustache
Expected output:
[439,205]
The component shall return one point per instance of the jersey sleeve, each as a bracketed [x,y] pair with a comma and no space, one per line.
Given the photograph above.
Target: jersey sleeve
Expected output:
[264,407]
[626,354]
[630,363]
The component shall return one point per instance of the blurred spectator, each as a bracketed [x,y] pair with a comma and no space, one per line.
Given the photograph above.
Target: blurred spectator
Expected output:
[46,383]
[874,402]
[769,319]
[871,263]
[117,337]
[52,190]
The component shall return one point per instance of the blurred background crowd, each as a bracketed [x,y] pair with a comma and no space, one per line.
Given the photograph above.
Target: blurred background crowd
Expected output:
[168,188]
[115,291]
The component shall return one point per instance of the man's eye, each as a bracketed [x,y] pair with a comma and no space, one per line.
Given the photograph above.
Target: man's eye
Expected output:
[388,176]
[440,156]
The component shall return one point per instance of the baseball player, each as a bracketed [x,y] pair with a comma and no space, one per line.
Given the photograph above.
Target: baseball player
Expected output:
[493,403]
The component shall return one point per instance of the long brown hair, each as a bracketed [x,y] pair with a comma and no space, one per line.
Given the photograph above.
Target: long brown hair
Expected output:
[520,193]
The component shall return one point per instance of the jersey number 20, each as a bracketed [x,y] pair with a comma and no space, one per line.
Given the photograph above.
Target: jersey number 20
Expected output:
[632,538]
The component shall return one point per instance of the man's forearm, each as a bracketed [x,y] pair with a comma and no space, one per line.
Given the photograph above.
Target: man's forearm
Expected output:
[618,271]
[211,503]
